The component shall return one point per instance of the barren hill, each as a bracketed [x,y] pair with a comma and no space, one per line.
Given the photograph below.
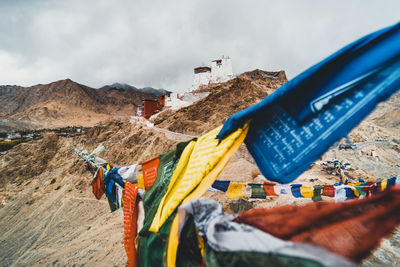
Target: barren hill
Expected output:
[48,215]
[224,100]
[64,103]
[47,212]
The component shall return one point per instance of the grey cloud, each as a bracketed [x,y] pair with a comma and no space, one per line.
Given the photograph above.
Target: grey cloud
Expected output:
[158,43]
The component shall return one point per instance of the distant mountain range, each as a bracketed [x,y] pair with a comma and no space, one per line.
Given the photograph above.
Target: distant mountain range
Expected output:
[130,88]
[67,103]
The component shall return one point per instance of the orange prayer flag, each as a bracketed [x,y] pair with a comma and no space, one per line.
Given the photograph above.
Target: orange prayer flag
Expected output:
[269,188]
[149,169]
[130,222]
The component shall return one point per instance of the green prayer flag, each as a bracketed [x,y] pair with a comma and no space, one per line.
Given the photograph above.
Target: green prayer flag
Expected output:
[154,195]
[317,193]
[257,191]
[360,190]
[153,246]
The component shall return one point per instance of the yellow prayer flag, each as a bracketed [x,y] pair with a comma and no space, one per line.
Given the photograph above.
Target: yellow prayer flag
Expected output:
[203,186]
[198,160]
[355,191]
[307,191]
[235,190]
[384,184]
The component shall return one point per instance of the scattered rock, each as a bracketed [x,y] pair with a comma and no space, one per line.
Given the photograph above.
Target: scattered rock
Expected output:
[240,205]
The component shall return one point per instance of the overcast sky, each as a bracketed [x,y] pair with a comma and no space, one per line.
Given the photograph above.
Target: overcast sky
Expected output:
[158,43]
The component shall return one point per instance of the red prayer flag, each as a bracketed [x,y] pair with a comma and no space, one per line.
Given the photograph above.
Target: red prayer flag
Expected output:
[351,229]
[328,191]
[98,184]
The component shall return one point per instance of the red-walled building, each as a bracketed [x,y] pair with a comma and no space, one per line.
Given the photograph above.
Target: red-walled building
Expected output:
[150,107]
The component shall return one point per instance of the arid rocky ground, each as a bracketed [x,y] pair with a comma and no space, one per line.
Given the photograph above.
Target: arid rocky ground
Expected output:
[48,215]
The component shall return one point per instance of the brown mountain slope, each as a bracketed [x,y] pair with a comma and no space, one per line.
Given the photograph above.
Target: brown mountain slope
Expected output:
[49,215]
[47,212]
[65,103]
[224,100]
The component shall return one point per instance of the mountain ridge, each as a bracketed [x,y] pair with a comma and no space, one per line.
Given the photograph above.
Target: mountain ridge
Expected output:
[130,88]
[64,103]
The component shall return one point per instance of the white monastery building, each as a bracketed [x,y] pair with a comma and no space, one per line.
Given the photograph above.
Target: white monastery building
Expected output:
[220,71]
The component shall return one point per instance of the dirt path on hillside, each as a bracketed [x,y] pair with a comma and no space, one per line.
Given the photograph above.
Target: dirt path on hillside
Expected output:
[174,136]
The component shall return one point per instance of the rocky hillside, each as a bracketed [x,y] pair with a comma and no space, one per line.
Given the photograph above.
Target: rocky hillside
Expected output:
[64,103]
[50,217]
[224,100]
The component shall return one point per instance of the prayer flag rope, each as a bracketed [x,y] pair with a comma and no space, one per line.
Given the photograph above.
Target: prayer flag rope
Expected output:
[340,192]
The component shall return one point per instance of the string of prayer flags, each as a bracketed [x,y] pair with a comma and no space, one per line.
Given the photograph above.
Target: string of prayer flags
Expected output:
[288,131]
[297,123]
[366,222]
[235,190]
[99,168]
[339,171]
[163,247]
[340,192]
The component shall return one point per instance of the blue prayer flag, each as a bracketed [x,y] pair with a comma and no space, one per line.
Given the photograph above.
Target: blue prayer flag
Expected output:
[221,185]
[349,193]
[296,124]
[296,191]
[391,182]
[110,179]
